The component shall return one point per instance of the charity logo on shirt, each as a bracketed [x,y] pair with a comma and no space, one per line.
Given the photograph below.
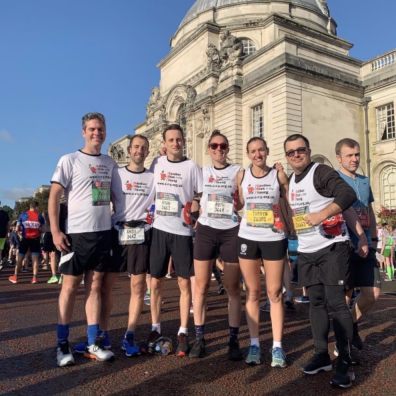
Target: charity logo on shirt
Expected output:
[100,184]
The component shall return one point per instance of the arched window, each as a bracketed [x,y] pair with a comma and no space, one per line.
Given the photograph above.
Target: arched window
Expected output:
[248,46]
[388,187]
[321,159]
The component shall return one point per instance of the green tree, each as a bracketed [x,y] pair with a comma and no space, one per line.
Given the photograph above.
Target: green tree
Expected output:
[9,211]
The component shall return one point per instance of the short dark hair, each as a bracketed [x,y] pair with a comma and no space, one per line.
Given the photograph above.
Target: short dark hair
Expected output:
[294,137]
[345,142]
[93,116]
[215,133]
[33,204]
[132,138]
[253,139]
[170,127]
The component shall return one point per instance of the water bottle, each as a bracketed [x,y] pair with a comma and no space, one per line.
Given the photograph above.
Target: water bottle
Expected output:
[166,348]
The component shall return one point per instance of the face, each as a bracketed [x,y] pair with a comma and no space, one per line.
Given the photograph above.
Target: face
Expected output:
[174,142]
[138,150]
[298,155]
[349,158]
[94,133]
[218,149]
[257,153]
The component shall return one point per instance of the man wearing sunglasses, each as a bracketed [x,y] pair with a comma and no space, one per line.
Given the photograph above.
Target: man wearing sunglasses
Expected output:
[317,197]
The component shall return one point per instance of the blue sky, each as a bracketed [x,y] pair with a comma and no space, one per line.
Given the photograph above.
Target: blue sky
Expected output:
[62,58]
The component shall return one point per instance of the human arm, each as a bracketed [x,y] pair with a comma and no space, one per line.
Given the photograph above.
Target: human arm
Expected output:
[240,201]
[353,223]
[60,240]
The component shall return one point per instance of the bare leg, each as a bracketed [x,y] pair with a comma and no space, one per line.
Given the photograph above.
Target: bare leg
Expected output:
[136,301]
[185,300]
[203,270]
[93,296]
[232,276]
[67,297]
[155,299]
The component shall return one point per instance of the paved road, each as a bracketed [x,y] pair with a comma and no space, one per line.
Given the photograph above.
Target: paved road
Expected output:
[27,353]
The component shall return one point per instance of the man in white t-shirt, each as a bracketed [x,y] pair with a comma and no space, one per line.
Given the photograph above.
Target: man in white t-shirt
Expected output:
[176,179]
[85,178]
[132,190]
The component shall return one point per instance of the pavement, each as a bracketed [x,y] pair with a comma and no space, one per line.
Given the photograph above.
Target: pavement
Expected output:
[28,364]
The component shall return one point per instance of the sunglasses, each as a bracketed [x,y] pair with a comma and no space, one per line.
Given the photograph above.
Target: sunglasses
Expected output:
[300,150]
[214,146]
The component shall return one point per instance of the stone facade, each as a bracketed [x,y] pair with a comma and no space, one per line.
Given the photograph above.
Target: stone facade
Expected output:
[276,68]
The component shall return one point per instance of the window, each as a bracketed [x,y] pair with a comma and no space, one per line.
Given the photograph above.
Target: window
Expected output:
[257,120]
[388,187]
[386,122]
[248,46]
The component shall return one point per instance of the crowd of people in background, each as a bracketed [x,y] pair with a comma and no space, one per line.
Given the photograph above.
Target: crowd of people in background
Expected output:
[317,227]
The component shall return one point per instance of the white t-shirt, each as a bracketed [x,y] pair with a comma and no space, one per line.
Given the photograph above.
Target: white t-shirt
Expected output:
[175,185]
[86,179]
[217,202]
[132,194]
[261,212]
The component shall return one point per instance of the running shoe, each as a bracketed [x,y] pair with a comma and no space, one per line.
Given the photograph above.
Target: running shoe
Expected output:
[60,280]
[1,265]
[182,345]
[168,276]
[343,376]
[104,336]
[253,357]
[34,280]
[302,299]
[234,352]
[128,345]
[152,339]
[53,279]
[278,357]
[147,298]
[97,352]
[319,362]
[13,279]
[198,348]
[64,356]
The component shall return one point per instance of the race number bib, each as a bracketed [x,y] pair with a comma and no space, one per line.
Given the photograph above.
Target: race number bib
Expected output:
[300,224]
[131,236]
[220,206]
[167,204]
[259,215]
[100,193]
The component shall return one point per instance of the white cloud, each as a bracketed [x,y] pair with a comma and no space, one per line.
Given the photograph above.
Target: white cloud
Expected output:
[5,136]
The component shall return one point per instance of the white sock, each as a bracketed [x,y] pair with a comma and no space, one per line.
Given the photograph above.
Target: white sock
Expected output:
[183,330]
[255,341]
[156,327]
[277,344]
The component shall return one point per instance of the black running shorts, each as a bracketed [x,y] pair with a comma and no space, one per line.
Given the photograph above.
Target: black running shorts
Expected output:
[30,244]
[364,271]
[135,259]
[253,250]
[91,253]
[329,266]
[211,243]
[165,245]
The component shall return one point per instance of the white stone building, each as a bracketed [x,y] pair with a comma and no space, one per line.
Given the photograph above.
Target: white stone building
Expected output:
[273,68]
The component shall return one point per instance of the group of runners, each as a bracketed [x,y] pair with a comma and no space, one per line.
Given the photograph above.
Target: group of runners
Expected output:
[156,212]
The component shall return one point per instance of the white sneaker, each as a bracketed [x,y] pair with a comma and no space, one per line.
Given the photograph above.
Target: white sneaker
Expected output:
[97,352]
[64,356]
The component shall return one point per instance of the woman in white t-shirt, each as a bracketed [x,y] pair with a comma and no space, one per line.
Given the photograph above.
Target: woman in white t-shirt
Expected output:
[216,237]
[262,240]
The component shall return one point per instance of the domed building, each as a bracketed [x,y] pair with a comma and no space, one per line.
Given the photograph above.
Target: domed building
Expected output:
[272,68]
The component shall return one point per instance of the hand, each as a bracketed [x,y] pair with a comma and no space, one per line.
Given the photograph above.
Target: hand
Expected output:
[162,150]
[278,166]
[363,248]
[313,219]
[61,242]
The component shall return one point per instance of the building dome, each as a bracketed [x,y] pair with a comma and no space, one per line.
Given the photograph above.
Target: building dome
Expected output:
[201,6]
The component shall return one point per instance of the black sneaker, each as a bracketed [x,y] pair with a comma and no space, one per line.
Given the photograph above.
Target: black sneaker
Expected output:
[356,340]
[182,345]
[289,305]
[354,359]
[319,362]
[220,290]
[198,348]
[343,376]
[234,353]
[152,339]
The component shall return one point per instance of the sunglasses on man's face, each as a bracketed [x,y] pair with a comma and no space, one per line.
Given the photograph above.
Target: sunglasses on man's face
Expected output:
[214,146]
[300,150]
